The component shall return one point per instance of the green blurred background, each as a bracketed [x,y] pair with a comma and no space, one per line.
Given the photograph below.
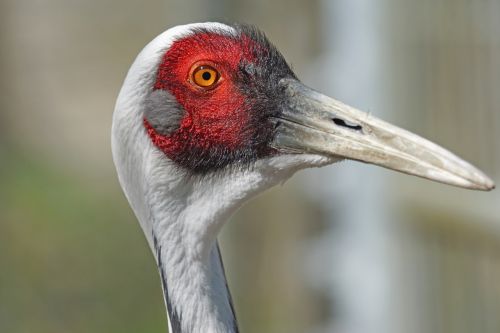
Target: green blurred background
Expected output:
[349,248]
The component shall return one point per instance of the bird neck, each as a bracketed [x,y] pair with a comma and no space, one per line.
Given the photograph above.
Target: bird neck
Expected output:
[185,219]
[181,216]
[195,290]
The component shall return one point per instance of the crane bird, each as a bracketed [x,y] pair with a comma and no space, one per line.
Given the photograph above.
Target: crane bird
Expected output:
[210,115]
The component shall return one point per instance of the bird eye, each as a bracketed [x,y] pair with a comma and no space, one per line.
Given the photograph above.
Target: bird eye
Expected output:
[205,76]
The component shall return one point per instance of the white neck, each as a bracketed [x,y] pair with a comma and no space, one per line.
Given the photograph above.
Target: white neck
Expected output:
[193,279]
[181,216]
[186,214]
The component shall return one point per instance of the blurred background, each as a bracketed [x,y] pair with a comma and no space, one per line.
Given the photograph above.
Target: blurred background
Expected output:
[348,248]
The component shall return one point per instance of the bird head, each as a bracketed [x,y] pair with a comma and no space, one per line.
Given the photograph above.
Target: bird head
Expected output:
[216,98]
[222,96]
[212,99]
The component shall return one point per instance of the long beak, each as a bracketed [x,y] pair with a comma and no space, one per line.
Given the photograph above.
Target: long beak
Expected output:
[314,123]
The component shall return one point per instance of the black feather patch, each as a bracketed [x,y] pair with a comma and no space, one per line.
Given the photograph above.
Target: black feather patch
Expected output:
[175,321]
[230,298]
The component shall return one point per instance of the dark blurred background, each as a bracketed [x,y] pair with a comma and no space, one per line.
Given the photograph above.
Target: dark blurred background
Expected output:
[348,248]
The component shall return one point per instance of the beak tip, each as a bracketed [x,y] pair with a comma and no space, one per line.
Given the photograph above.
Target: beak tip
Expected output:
[487,184]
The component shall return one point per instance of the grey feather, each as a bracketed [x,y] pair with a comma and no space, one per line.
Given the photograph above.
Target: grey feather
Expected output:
[163,112]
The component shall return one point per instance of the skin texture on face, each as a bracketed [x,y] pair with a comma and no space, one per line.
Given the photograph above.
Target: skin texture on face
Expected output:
[227,123]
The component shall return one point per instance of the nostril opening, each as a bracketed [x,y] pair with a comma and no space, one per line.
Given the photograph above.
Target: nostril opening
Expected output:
[343,123]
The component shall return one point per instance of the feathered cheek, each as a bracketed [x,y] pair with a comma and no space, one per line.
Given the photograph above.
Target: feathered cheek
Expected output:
[163,113]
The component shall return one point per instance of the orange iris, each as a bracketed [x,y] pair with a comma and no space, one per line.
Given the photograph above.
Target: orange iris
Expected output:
[205,76]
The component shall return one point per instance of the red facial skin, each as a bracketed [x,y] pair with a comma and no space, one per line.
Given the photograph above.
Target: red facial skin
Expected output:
[216,117]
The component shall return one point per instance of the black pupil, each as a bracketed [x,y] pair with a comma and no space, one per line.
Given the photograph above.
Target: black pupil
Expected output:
[206,76]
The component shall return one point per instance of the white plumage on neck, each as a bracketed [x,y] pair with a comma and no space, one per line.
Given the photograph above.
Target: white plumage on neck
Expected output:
[180,212]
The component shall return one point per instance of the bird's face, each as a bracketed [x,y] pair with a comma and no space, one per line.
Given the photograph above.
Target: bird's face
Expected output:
[214,99]
[226,97]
